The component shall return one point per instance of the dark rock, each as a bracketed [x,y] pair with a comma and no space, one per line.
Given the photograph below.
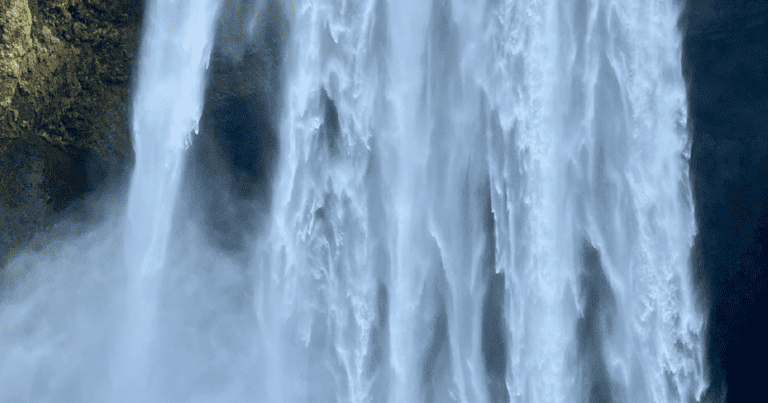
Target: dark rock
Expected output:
[65,85]
[725,63]
[227,180]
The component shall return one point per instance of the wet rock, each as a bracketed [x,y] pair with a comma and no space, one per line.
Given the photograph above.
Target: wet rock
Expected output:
[230,165]
[65,82]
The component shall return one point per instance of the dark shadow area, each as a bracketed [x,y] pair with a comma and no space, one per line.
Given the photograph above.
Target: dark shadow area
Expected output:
[493,342]
[44,185]
[437,360]
[378,364]
[725,64]
[596,322]
[231,164]
[330,129]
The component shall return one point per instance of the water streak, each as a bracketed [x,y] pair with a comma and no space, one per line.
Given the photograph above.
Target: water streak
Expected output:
[167,105]
[537,144]
[474,201]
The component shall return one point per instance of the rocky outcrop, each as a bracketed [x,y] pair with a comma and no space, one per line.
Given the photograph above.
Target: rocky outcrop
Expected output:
[65,84]
[16,23]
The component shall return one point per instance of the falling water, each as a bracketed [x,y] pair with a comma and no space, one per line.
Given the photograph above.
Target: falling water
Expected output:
[473,201]
[168,103]
[483,203]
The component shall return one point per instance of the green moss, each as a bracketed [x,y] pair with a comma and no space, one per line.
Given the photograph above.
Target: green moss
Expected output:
[65,90]
[16,23]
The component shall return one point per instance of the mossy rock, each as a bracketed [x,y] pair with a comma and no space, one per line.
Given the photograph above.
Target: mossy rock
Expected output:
[66,69]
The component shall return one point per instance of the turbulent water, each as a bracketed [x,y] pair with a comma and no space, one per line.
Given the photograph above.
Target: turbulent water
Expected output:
[473,201]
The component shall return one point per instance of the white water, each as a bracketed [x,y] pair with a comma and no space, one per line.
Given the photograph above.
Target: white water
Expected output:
[167,105]
[504,215]
[109,318]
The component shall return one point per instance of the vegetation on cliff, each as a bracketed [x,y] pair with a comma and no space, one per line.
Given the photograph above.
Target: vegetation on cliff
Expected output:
[65,82]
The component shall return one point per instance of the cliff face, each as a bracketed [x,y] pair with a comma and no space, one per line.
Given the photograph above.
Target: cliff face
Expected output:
[65,84]
[725,62]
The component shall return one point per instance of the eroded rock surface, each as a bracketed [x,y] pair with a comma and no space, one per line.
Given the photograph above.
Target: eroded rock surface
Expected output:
[65,82]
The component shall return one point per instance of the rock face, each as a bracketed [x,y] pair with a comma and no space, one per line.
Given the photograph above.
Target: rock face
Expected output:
[726,67]
[65,84]
[231,163]
[15,43]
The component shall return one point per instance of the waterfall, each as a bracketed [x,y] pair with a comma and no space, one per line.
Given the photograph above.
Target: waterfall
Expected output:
[167,105]
[473,202]
[483,203]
